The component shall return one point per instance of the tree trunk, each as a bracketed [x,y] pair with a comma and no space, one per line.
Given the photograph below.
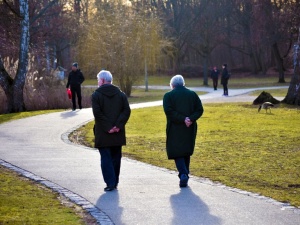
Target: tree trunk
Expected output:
[19,82]
[279,62]
[293,95]
[13,88]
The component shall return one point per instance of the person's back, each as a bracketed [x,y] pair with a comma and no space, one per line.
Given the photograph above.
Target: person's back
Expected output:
[182,108]
[109,103]
[111,111]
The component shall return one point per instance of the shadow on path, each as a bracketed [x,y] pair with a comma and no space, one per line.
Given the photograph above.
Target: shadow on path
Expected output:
[110,204]
[188,208]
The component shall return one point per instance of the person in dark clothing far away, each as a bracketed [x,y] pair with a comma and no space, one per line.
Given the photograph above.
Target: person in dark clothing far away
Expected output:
[75,79]
[183,108]
[224,79]
[215,76]
[111,111]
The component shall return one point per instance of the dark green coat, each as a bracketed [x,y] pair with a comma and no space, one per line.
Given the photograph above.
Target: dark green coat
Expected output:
[110,108]
[179,104]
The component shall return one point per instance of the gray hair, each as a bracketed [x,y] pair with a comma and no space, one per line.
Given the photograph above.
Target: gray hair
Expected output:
[106,75]
[177,81]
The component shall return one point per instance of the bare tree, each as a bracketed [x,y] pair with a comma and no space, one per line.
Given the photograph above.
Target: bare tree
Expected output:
[293,95]
[13,86]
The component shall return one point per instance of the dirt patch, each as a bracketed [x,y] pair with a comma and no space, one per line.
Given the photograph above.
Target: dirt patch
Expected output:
[77,137]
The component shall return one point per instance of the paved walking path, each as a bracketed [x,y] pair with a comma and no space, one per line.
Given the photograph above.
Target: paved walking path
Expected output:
[38,148]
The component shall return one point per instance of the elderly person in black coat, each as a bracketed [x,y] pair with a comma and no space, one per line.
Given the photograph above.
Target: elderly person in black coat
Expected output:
[111,111]
[183,108]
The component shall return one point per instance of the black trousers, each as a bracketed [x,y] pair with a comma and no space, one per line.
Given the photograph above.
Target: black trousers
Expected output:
[225,88]
[183,165]
[215,83]
[111,164]
[76,91]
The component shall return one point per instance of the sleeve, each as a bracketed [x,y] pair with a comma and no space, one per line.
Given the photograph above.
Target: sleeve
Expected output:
[68,83]
[125,113]
[98,114]
[170,112]
[198,110]
[81,78]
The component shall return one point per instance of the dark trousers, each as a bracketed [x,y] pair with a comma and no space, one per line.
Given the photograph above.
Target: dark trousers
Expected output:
[225,88]
[111,164]
[76,90]
[183,165]
[215,83]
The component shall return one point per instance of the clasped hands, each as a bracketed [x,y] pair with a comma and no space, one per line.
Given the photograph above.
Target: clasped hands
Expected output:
[188,122]
[114,130]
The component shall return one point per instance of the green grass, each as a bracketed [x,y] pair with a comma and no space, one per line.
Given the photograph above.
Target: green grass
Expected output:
[235,145]
[23,202]
[236,81]
[140,95]
[274,92]
[21,115]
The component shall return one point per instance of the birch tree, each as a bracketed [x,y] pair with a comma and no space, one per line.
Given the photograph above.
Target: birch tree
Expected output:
[13,85]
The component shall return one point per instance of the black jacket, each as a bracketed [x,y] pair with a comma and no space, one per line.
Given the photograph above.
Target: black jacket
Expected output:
[225,76]
[75,78]
[214,74]
[110,108]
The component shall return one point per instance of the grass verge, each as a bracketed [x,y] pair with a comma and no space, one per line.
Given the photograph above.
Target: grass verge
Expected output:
[235,145]
[24,202]
[21,115]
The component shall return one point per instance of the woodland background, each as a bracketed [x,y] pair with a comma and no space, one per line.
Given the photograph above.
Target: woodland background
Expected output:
[40,38]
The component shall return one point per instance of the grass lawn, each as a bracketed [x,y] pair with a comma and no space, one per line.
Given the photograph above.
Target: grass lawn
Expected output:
[274,92]
[235,145]
[24,202]
[21,115]
[236,81]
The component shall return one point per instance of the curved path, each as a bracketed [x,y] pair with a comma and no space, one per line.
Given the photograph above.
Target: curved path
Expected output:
[38,148]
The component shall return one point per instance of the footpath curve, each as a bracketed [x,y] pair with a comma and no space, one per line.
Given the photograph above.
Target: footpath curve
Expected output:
[38,148]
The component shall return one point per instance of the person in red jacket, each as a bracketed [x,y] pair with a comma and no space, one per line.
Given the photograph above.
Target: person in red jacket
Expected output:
[75,79]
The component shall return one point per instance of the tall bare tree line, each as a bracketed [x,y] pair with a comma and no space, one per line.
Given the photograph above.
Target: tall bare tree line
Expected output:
[41,35]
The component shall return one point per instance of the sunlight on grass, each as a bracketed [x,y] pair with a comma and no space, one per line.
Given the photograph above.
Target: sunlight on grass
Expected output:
[139,95]
[21,115]
[23,202]
[236,81]
[274,92]
[235,145]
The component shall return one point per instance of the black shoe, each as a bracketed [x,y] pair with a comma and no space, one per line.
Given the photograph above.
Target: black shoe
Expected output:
[183,180]
[109,188]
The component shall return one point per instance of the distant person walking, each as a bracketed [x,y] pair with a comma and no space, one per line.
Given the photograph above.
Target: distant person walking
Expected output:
[111,111]
[183,108]
[75,79]
[215,76]
[224,79]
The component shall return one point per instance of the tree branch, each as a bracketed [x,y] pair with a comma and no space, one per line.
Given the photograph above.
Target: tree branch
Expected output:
[12,9]
[33,19]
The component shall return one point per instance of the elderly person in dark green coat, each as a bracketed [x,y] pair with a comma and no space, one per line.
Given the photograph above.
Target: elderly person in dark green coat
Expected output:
[183,108]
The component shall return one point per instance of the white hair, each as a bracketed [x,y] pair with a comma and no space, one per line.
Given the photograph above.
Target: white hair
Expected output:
[106,75]
[177,81]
